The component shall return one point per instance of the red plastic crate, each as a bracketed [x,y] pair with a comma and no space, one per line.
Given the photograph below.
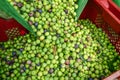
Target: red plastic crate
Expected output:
[100,12]
[107,10]
[114,8]
[114,76]
[10,29]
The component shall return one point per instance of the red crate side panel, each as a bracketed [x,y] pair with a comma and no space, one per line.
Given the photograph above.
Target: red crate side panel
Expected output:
[109,21]
[108,16]
[3,27]
[103,19]
[89,12]
[10,29]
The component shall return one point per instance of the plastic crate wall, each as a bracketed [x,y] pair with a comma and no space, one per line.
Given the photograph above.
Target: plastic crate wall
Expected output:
[99,16]
[99,12]
[114,8]
[10,29]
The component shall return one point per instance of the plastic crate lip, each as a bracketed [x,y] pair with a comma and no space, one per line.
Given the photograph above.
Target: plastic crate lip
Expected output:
[107,10]
[113,76]
[114,5]
[114,8]
[113,16]
[105,3]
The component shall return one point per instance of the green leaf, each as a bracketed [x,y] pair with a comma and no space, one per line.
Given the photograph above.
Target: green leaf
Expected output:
[9,9]
[81,6]
[117,2]
[4,15]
